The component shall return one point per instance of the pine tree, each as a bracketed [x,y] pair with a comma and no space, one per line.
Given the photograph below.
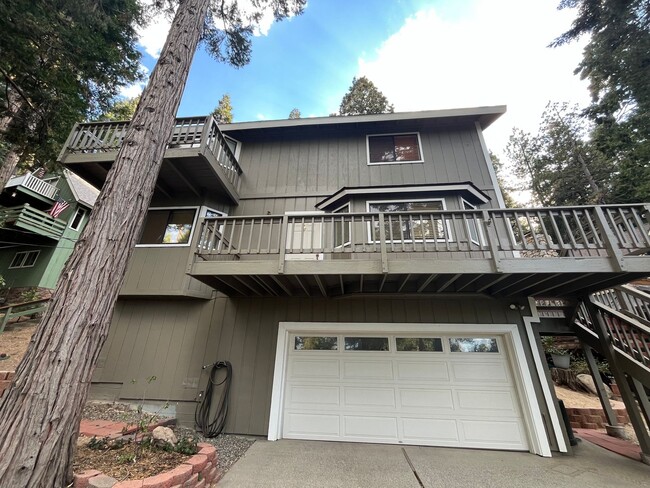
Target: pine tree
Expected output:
[363,97]
[294,114]
[223,111]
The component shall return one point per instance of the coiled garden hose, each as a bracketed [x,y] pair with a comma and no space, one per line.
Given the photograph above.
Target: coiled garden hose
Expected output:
[212,427]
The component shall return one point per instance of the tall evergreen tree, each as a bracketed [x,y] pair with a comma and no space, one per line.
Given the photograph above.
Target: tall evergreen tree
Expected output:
[60,62]
[616,62]
[223,111]
[120,109]
[363,97]
[294,114]
[559,164]
[42,408]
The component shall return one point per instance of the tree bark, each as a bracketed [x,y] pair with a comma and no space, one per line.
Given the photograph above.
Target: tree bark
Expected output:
[8,167]
[40,413]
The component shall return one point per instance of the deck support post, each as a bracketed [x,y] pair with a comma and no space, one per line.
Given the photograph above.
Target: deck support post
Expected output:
[493,240]
[610,241]
[600,387]
[621,380]
[284,229]
[382,244]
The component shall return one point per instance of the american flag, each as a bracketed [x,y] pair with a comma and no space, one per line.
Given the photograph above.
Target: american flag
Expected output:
[39,173]
[59,206]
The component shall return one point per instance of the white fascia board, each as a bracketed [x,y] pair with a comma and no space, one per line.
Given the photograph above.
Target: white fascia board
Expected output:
[402,190]
[496,110]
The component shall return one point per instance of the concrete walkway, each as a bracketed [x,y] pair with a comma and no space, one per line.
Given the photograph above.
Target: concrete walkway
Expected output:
[304,464]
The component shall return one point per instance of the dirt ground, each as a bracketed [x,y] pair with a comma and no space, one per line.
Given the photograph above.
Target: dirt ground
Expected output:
[577,399]
[14,341]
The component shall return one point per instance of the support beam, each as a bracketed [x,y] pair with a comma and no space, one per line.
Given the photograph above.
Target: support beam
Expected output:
[468,282]
[302,285]
[320,285]
[493,281]
[181,176]
[286,289]
[447,283]
[251,288]
[404,281]
[621,380]
[538,282]
[426,282]
[600,387]
[642,397]
[341,284]
[264,285]
[383,281]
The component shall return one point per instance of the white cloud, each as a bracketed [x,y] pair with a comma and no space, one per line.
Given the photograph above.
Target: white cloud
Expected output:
[495,53]
[132,91]
[261,117]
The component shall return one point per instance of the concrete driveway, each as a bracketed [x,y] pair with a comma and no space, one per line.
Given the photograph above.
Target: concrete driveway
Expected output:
[303,464]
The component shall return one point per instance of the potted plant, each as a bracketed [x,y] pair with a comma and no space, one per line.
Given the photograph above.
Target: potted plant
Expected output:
[560,356]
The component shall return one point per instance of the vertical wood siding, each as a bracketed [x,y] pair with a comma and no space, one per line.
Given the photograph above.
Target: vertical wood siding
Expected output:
[172,339]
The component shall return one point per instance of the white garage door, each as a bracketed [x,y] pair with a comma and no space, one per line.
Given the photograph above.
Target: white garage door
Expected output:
[433,390]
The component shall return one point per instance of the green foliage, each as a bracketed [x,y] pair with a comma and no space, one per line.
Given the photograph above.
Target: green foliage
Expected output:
[616,62]
[506,188]
[120,109]
[560,165]
[550,347]
[187,445]
[60,62]
[29,295]
[223,111]
[363,97]
[101,444]
[295,114]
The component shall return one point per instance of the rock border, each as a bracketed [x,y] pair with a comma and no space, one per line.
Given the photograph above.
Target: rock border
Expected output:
[199,471]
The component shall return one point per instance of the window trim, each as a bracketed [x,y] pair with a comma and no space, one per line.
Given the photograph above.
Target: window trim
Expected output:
[76,212]
[479,230]
[444,208]
[25,254]
[196,209]
[371,163]
[237,150]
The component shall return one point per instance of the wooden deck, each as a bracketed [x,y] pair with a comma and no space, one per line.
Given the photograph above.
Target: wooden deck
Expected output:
[27,218]
[559,251]
[197,158]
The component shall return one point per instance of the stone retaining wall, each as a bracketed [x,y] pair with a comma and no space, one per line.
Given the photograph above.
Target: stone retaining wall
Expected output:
[5,380]
[199,471]
[593,418]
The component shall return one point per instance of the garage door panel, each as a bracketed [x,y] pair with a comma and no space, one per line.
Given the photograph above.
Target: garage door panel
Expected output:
[367,370]
[492,371]
[505,434]
[368,397]
[313,396]
[368,427]
[303,424]
[486,401]
[421,370]
[314,368]
[442,398]
[438,431]
[426,398]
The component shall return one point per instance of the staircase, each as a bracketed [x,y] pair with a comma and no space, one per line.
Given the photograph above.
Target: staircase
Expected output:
[616,323]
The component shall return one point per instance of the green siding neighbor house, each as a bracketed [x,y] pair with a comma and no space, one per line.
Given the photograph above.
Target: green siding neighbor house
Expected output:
[361,275]
[34,245]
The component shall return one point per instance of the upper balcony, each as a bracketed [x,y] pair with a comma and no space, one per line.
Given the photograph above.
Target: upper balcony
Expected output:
[33,186]
[561,251]
[197,159]
[30,223]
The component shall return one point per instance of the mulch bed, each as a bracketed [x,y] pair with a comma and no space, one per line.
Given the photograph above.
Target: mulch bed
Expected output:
[118,463]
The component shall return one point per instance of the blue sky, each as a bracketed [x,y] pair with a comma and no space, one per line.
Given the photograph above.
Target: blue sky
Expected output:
[422,54]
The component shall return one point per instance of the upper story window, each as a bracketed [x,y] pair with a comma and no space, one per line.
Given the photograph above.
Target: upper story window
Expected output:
[168,227]
[78,218]
[24,259]
[394,148]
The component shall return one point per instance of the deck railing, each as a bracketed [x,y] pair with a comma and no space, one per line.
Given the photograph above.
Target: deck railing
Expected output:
[34,184]
[31,219]
[603,231]
[188,133]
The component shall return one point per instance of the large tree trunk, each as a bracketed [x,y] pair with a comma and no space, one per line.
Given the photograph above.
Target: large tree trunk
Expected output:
[8,167]
[40,413]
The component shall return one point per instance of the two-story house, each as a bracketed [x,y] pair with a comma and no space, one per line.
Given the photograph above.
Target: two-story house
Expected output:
[361,275]
[38,238]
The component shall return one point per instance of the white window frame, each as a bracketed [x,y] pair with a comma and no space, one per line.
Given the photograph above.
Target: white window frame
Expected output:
[479,230]
[370,163]
[24,258]
[196,209]
[409,200]
[237,150]
[81,210]
[336,210]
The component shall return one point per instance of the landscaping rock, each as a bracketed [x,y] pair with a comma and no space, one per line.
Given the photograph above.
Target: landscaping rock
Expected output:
[102,481]
[165,435]
[588,382]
